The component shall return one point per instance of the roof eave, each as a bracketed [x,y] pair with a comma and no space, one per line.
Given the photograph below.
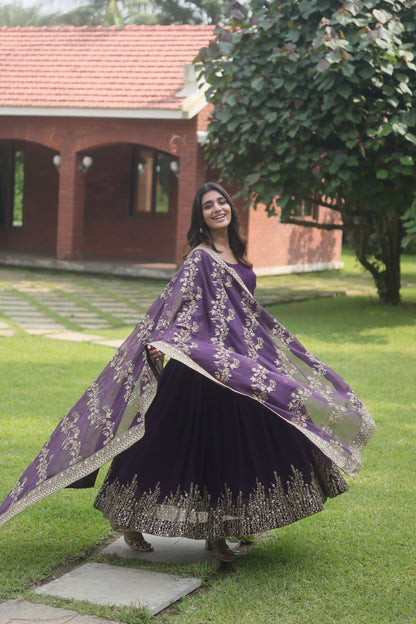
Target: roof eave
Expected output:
[189,107]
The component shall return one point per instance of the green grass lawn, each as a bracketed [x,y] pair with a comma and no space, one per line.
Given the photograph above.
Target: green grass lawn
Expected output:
[354,563]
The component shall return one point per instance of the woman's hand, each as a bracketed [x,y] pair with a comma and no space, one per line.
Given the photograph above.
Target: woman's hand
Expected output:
[155,354]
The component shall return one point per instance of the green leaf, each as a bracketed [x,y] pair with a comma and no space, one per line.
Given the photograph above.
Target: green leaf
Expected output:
[271,117]
[407,160]
[225,47]
[258,83]
[399,128]
[366,71]
[347,69]
[410,137]
[382,174]
[230,99]
[353,161]
[387,68]
[384,130]
[345,90]
[381,16]
[403,88]
[393,101]
[232,125]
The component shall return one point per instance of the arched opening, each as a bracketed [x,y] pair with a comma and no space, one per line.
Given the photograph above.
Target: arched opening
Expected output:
[12,177]
[28,197]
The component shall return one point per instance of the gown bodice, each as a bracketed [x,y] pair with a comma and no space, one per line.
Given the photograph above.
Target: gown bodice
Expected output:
[247,275]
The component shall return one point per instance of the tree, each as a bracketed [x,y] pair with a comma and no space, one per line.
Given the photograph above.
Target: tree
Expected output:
[110,13]
[195,12]
[314,101]
[17,15]
[121,12]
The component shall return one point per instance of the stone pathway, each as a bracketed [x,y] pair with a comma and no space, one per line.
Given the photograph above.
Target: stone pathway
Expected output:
[113,585]
[63,306]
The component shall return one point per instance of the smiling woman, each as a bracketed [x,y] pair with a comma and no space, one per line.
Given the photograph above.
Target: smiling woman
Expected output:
[215,224]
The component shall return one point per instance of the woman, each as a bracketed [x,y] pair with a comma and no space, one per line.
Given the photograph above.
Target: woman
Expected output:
[241,431]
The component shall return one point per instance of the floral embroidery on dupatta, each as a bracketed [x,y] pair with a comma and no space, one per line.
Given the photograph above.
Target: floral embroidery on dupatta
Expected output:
[207,319]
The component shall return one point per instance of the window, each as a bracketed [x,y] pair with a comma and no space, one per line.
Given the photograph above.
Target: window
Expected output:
[307,210]
[12,178]
[153,182]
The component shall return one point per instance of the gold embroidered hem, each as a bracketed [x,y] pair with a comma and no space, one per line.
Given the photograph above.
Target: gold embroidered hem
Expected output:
[192,514]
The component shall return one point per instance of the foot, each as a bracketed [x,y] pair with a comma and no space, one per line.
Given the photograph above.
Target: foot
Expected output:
[136,541]
[208,545]
[221,550]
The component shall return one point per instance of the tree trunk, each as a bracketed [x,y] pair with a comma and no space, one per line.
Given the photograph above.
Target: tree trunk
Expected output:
[387,277]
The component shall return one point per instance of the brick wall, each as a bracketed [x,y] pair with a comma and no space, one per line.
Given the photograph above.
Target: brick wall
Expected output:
[203,117]
[93,218]
[271,243]
[104,228]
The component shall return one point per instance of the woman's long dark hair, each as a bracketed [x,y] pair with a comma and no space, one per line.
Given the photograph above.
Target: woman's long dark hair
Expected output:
[199,233]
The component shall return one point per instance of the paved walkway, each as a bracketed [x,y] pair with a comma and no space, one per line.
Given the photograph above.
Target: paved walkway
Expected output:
[69,307]
[115,585]
[83,308]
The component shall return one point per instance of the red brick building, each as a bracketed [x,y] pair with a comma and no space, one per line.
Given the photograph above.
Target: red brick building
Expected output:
[101,133]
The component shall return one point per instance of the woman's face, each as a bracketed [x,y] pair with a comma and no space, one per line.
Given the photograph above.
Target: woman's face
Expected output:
[216,211]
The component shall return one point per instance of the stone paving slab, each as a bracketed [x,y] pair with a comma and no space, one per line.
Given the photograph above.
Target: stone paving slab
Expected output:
[109,304]
[6,332]
[40,331]
[116,586]
[83,313]
[167,550]
[94,325]
[62,305]
[73,336]
[24,612]
[115,342]
[71,311]
[45,327]
[27,316]
[15,305]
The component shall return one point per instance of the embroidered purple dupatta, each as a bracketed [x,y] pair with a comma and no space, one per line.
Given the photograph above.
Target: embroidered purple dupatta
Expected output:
[208,320]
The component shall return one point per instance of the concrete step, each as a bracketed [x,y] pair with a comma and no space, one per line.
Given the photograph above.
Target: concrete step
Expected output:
[24,612]
[112,585]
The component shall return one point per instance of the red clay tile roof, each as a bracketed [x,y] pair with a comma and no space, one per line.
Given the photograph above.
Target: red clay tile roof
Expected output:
[134,67]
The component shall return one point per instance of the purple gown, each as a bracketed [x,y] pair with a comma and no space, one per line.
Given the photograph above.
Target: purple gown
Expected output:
[214,463]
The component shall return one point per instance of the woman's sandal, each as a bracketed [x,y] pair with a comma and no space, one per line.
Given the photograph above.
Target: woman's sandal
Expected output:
[136,541]
[221,550]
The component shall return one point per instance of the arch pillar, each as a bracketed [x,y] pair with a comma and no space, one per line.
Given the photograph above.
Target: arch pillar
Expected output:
[188,182]
[71,207]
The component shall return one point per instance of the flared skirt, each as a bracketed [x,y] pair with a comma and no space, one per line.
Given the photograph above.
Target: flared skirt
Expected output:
[214,463]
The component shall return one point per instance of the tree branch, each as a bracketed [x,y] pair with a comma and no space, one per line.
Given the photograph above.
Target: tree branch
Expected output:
[361,255]
[315,224]
[328,226]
